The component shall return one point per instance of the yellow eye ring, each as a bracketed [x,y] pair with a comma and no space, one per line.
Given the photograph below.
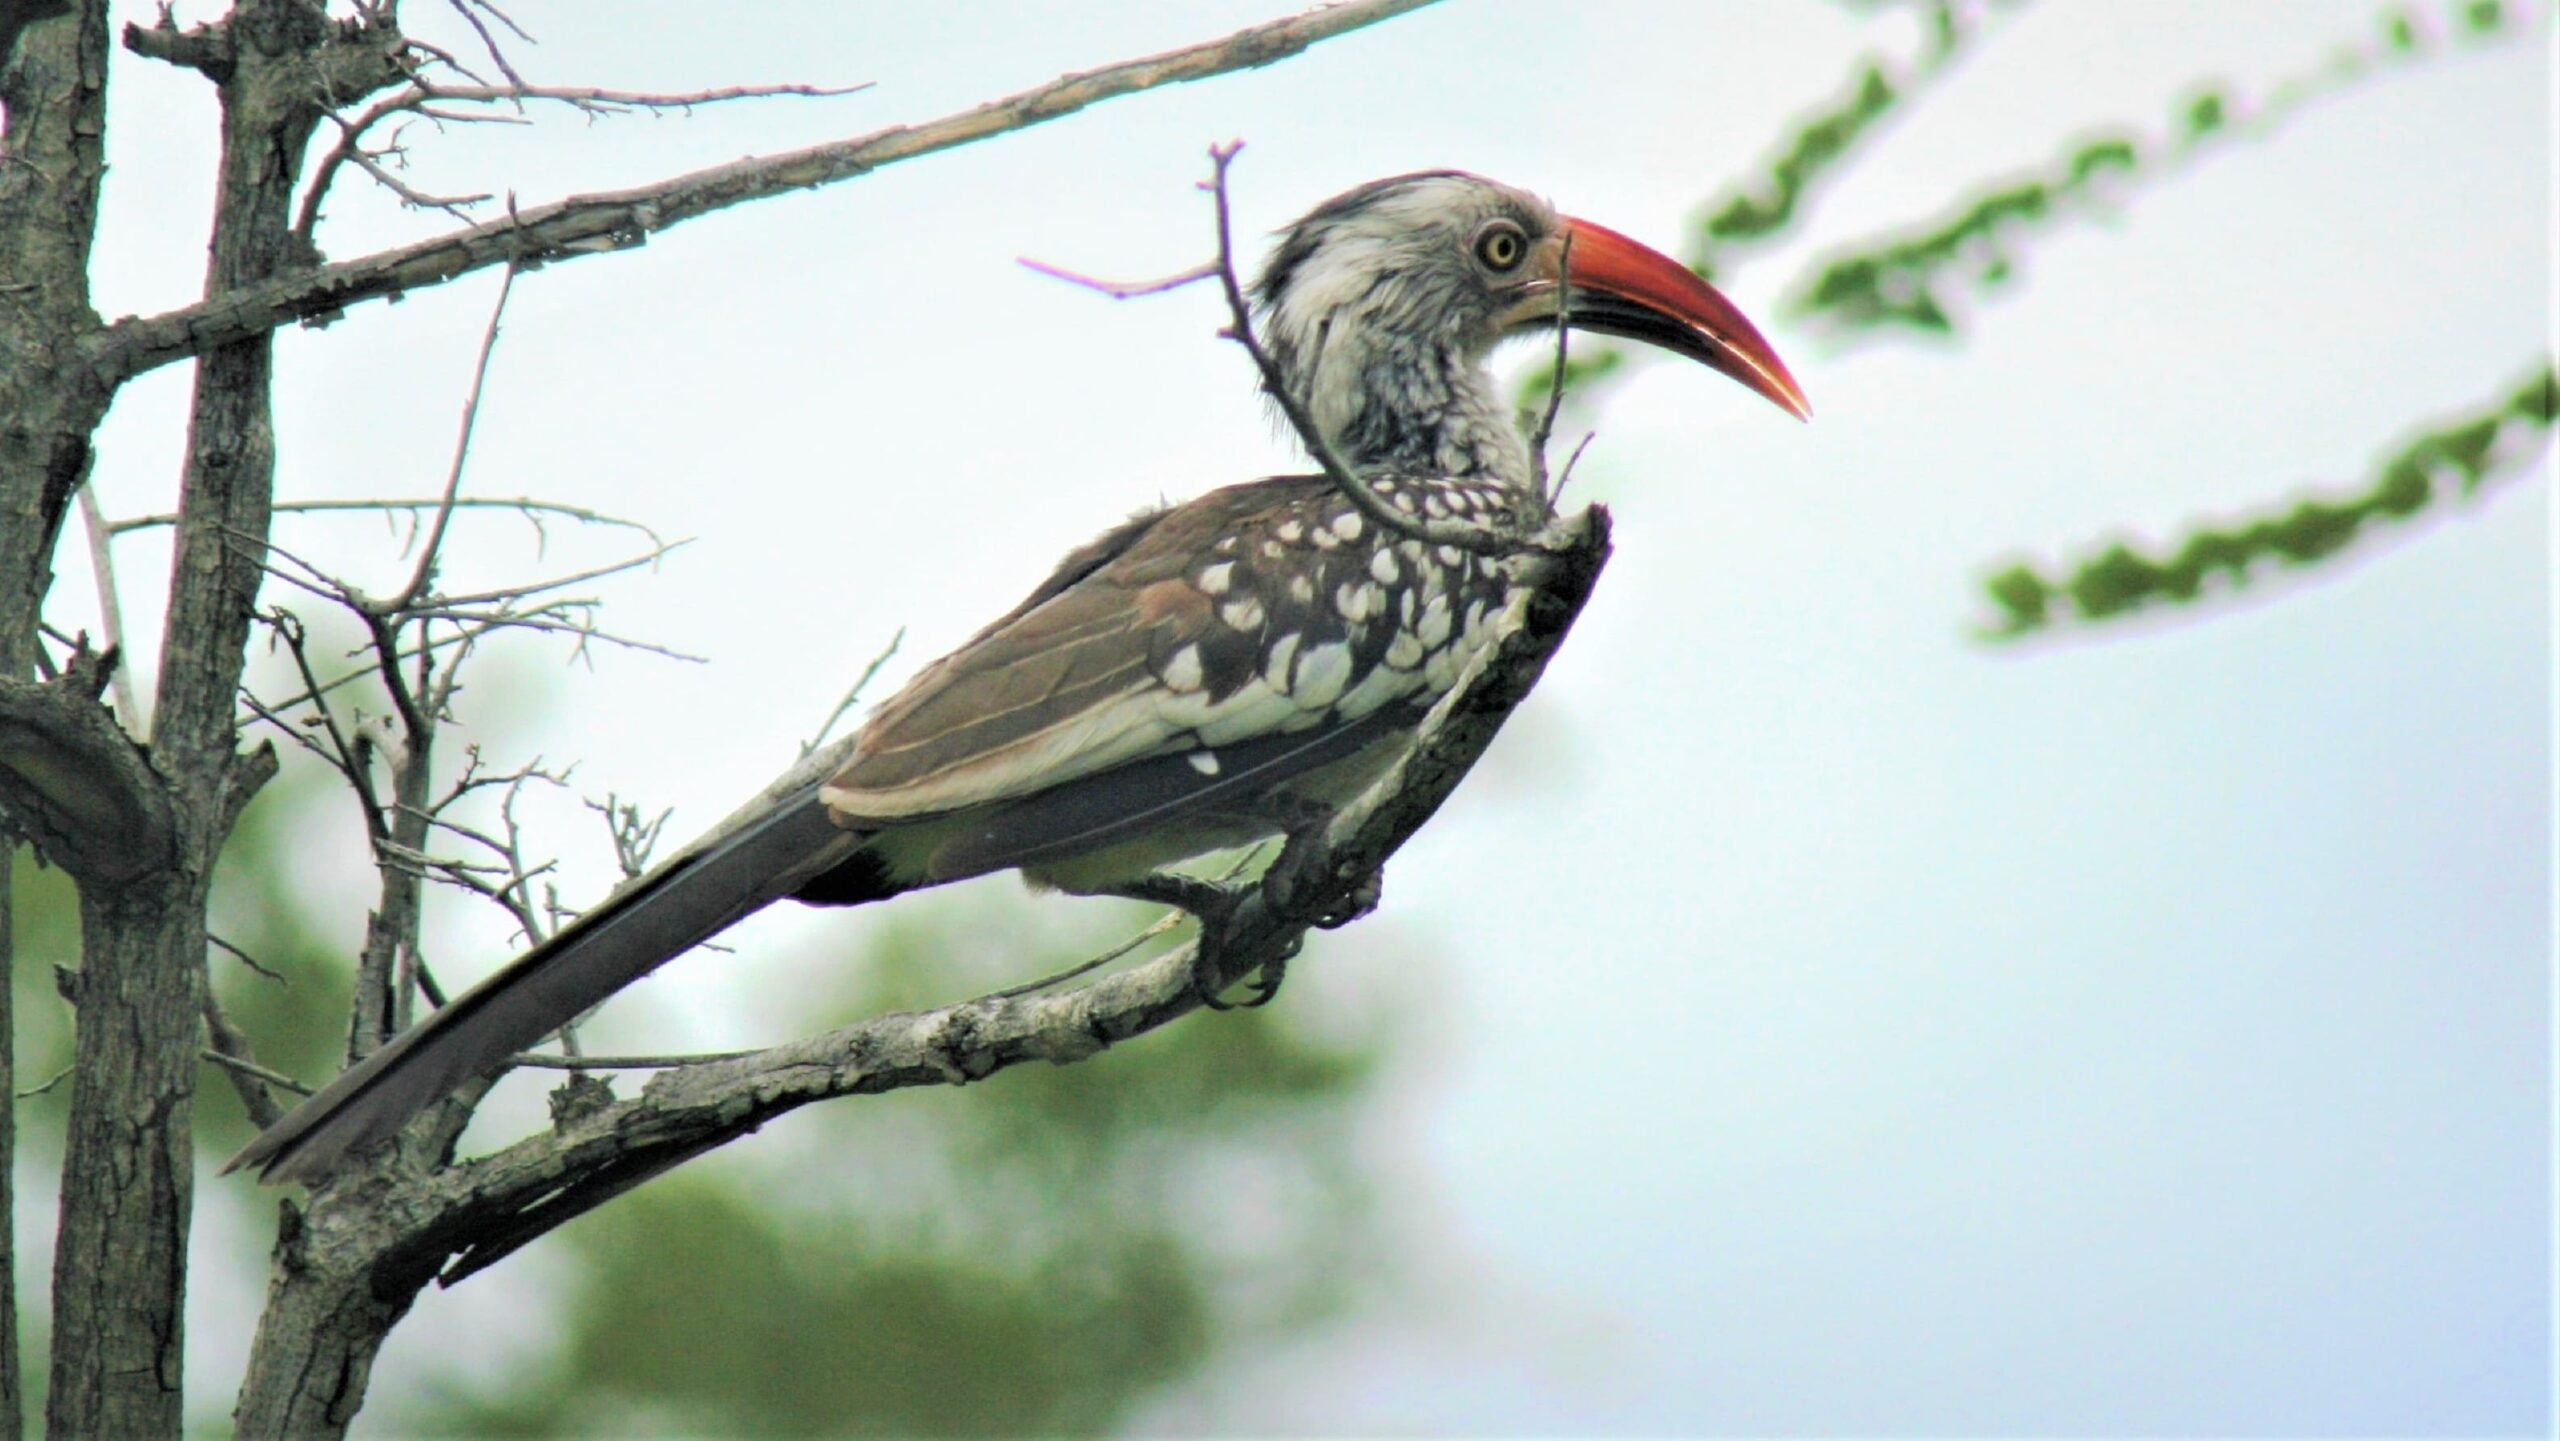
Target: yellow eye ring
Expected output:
[1501,246]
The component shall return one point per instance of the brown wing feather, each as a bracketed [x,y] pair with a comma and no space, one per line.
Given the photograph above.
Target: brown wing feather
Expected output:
[1047,691]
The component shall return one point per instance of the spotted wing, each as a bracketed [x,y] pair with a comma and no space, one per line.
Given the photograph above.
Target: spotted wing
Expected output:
[1260,610]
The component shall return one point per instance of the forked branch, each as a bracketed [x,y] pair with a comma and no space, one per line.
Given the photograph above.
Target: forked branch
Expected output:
[596,224]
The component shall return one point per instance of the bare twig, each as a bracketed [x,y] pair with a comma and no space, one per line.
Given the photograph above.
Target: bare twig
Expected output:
[447,603]
[244,958]
[421,97]
[102,566]
[59,1077]
[425,574]
[252,1071]
[1546,426]
[1122,289]
[634,839]
[1564,477]
[596,224]
[457,206]
[467,10]
[533,510]
[853,696]
[229,1049]
[542,1061]
[1170,920]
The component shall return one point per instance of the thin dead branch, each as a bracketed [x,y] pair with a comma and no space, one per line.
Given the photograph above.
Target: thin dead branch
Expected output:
[1122,289]
[102,567]
[425,574]
[600,223]
[853,694]
[531,509]
[422,97]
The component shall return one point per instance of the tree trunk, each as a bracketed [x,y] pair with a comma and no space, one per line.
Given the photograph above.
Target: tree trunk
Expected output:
[52,88]
[120,1261]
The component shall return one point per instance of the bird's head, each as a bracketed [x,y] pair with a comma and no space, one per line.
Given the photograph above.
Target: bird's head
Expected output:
[1381,291]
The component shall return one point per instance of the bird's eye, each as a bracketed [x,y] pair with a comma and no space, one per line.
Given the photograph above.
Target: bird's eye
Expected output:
[1501,246]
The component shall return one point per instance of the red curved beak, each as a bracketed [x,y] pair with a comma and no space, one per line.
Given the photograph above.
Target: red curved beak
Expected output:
[1623,287]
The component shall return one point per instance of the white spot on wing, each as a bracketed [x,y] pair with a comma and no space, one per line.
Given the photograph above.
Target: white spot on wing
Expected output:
[1242,613]
[1347,525]
[1275,666]
[1254,710]
[1433,628]
[1215,579]
[1383,566]
[1182,669]
[1205,762]
[1375,689]
[1322,671]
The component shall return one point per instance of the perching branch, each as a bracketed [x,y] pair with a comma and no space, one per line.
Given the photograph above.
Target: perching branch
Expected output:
[586,225]
[404,1228]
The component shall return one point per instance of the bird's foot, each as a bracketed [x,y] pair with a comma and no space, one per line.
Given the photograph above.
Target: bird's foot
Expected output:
[1214,905]
[1301,877]
[1266,981]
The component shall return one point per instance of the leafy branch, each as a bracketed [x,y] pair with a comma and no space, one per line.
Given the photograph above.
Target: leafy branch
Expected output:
[1906,280]
[2457,459]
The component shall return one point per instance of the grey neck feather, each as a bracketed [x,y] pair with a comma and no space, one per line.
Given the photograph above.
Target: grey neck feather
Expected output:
[1402,404]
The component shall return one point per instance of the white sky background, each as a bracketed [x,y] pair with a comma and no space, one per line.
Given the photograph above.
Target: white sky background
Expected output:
[1832,1025]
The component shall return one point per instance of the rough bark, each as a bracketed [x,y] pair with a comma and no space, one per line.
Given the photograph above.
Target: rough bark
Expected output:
[119,1283]
[52,90]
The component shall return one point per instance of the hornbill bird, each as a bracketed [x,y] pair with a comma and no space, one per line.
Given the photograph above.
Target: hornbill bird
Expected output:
[1197,678]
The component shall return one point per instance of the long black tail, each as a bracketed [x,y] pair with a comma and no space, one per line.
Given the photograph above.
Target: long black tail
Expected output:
[742,869]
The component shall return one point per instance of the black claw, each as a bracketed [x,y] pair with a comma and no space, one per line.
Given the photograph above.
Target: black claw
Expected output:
[1266,982]
[1358,901]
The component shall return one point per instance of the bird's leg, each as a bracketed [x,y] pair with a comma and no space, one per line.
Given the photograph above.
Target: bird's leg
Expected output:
[1213,905]
[1210,902]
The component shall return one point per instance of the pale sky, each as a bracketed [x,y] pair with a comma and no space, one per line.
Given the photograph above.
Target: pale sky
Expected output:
[1831,1025]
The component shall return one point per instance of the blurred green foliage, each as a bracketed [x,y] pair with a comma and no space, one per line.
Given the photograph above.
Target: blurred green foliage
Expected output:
[2460,456]
[1762,209]
[1035,1255]
[1909,280]
[1915,282]
[1038,1254]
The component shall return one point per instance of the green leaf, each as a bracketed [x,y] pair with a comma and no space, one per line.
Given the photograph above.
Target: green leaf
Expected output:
[1909,279]
[2120,580]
